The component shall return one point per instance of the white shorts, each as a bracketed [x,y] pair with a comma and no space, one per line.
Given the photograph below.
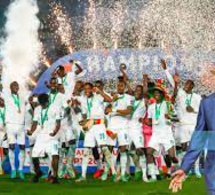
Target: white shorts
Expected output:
[15,134]
[183,133]
[136,137]
[157,142]
[76,129]
[111,142]
[45,145]
[66,134]
[96,135]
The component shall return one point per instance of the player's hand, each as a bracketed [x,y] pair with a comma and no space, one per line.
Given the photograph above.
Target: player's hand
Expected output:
[189,109]
[163,64]
[96,90]
[29,132]
[167,116]
[52,134]
[115,97]
[108,110]
[177,181]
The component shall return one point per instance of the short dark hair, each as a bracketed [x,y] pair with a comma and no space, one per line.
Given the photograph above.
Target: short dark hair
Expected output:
[100,82]
[191,82]
[61,67]
[14,82]
[53,79]
[71,60]
[140,86]
[89,84]
[43,98]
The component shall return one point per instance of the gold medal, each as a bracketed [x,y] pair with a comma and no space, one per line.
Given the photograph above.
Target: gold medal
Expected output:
[19,111]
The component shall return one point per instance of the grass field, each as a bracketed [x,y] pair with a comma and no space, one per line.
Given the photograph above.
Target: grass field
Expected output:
[192,186]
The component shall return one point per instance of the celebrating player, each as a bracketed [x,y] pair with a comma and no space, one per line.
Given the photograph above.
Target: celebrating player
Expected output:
[15,119]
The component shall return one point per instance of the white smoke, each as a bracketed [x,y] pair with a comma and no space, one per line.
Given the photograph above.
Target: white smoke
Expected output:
[21,47]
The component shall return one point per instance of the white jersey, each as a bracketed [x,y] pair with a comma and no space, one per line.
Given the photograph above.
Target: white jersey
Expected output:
[28,117]
[58,100]
[93,107]
[15,109]
[159,122]
[69,82]
[46,118]
[124,101]
[182,100]
[138,111]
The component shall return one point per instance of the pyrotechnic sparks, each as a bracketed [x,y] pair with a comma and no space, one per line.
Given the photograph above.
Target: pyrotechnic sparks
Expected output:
[118,20]
[61,24]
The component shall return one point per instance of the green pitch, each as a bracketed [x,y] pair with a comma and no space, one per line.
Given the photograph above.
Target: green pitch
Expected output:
[192,186]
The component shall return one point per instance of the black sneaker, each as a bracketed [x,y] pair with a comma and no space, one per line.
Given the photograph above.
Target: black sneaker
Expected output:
[36,178]
[168,176]
[55,180]
[159,177]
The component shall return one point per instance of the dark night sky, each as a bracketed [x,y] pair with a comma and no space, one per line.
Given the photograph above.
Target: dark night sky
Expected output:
[74,7]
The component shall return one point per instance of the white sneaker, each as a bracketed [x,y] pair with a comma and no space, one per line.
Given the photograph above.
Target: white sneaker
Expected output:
[80,179]
[198,174]
[145,179]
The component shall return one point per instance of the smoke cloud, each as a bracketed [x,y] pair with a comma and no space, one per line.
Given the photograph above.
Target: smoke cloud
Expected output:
[21,48]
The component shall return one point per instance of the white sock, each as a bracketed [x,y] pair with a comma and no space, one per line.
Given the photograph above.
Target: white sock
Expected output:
[30,159]
[123,162]
[143,165]
[71,154]
[180,157]
[109,160]
[168,170]
[21,159]
[85,159]
[49,162]
[156,170]
[61,156]
[99,165]
[128,164]
[107,167]
[151,170]
[196,166]
[12,159]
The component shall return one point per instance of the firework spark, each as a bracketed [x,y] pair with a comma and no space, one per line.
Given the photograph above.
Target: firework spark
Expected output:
[61,24]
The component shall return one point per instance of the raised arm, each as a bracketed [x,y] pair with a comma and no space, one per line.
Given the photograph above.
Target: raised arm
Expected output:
[79,68]
[145,84]
[197,144]
[168,75]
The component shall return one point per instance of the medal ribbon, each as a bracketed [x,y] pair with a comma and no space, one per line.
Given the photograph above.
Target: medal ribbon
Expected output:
[16,101]
[52,100]
[157,111]
[116,102]
[188,101]
[2,114]
[135,106]
[89,106]
[44,117]
[64,80]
